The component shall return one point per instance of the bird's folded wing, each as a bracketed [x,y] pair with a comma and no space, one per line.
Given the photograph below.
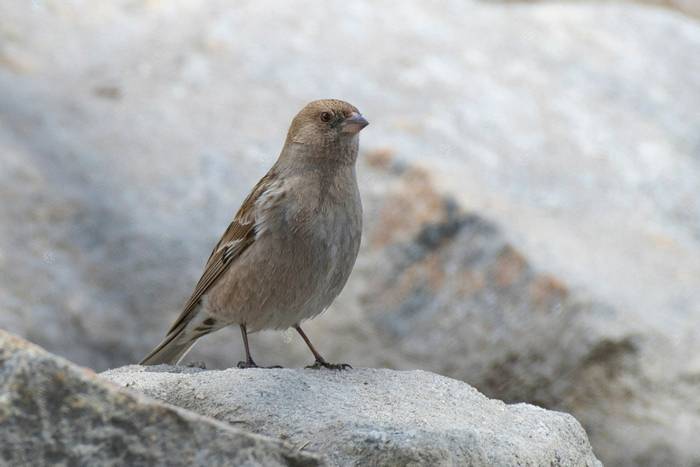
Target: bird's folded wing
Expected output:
[239,236]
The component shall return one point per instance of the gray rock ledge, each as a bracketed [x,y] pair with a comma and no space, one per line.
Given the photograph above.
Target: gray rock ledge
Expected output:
[371,416]
[54,413]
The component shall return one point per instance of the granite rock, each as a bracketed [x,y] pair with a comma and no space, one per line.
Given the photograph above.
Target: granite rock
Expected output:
[371,416]
[53,413]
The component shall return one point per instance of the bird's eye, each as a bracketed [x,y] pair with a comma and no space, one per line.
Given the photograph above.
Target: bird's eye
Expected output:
[325,116]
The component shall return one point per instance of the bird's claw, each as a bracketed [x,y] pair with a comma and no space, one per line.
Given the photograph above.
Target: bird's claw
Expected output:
[250,364]
[244,365]
[197,364]
[330,366]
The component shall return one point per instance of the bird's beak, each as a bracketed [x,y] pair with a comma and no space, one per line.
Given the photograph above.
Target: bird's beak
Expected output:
[354,123]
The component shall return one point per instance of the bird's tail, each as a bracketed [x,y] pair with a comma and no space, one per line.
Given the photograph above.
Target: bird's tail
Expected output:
[170,351]
[180,340]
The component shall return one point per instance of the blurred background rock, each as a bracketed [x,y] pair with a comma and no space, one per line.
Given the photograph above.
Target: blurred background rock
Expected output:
[531,181]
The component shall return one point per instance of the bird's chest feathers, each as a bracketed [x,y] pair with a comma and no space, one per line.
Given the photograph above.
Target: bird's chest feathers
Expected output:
[323,224]
[321,219]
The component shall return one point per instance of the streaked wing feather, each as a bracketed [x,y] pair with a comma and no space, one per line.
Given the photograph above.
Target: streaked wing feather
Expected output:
[239,235]
[243,221]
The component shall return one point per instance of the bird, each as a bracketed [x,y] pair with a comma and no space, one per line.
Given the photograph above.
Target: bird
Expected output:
[292,244]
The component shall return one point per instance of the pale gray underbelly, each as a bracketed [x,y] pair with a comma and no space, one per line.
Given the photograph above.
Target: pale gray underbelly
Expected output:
[284,278]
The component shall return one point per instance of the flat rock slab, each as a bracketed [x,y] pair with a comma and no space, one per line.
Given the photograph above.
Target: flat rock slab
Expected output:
[371,416]
[53,413]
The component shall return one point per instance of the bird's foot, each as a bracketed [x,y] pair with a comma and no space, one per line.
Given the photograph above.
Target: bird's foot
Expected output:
[318,364]
[252,364]
[198,364]
[248,364]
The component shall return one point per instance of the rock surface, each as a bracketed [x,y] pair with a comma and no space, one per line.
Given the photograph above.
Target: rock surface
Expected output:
[690,7]
[55,413]
[372,417]
[547,253]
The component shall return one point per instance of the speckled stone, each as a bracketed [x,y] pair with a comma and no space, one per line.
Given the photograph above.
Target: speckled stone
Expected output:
[53,413]
[371,416]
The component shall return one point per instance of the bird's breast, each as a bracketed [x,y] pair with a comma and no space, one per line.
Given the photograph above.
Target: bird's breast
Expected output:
[320,228]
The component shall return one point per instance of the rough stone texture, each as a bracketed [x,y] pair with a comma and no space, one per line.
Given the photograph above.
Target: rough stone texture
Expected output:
[689,7]
[372,417]
[547,253]
[53,413]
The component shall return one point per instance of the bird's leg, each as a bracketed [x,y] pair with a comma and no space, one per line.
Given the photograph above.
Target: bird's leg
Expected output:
[320,361]
[249,363]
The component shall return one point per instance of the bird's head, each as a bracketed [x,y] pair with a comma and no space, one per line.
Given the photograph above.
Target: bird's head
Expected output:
[327,125]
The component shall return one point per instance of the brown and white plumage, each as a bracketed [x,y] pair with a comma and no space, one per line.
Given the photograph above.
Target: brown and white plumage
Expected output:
[292,244]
